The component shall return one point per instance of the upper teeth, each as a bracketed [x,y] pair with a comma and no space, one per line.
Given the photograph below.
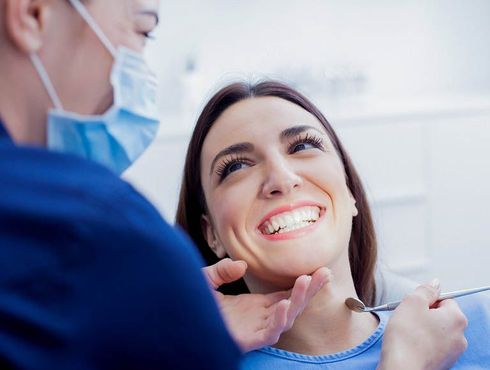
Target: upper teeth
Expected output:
[289,221]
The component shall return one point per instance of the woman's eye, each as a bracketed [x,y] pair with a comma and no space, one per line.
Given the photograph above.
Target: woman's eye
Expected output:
[306,143]
[227,168]
[235,167]
[302,146]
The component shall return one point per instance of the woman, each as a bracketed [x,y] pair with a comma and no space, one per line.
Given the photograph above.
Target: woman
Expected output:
[267,181]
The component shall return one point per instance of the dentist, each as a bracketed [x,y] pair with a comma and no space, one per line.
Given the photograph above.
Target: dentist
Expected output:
[91,277]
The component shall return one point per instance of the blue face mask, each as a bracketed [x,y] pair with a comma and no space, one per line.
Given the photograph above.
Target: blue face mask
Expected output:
[118,137]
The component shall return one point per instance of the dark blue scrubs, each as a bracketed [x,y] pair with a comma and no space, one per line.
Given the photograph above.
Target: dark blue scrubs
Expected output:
[91,277]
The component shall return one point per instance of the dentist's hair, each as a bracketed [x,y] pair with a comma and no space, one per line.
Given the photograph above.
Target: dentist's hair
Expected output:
[192,203]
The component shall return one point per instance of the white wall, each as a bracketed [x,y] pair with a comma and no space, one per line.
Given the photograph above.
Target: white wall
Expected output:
[405,83]
[427,175]
[397,48]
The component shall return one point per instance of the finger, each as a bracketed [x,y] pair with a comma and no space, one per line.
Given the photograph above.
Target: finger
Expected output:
[276,324]
[453,312]
[272,298]
[225,271]
[298,298]
[449,304]
[426,294]
[318,280]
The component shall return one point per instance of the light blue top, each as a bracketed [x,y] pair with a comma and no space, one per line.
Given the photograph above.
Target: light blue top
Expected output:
[366,355]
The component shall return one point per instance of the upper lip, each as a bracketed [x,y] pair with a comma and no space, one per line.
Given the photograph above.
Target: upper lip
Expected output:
[288,208]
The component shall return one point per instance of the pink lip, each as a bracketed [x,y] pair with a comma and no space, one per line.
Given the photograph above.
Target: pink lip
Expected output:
[294,233]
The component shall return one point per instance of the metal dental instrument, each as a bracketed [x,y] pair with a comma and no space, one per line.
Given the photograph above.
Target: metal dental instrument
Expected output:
[358,306]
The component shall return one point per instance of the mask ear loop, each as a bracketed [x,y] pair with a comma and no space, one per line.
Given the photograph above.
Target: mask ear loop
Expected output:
[87,17]
[43,75]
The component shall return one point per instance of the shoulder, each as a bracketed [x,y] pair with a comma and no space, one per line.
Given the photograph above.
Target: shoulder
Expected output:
[65,187]
[477,310]
[65,200]
[75,235]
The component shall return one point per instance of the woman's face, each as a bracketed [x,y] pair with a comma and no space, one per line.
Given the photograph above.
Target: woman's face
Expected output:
[275,190]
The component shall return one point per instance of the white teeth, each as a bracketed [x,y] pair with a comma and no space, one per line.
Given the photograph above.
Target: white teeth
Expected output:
[281,221]
[298,217]
[289,221]
[307,214]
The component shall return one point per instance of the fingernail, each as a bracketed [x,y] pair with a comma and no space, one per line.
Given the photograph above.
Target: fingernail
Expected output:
[436,284]
[325,279]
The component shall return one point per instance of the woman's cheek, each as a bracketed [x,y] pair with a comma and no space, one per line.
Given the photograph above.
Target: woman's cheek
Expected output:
[230,210]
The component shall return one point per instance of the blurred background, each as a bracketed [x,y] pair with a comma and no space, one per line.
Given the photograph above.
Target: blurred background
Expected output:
[405,83]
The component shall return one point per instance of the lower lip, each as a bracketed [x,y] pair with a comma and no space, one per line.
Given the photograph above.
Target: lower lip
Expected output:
[298,233]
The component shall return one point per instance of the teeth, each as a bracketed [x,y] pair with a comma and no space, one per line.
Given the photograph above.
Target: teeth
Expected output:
[289,221]
[298,217]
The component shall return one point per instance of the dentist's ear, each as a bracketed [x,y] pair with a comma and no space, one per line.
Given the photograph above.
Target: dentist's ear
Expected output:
[210,236]
[25,22]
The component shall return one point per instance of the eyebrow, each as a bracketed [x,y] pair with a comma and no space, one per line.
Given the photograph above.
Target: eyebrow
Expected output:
[151,13]
[296,130]
[232,149]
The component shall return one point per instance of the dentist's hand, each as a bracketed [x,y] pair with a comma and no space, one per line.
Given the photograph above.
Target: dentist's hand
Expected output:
[257,320]
[423,334]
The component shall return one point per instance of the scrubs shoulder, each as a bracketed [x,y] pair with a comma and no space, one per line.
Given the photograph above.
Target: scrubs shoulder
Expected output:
[91,277]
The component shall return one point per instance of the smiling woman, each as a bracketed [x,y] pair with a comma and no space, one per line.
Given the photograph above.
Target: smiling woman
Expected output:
[303,135]
[267,181]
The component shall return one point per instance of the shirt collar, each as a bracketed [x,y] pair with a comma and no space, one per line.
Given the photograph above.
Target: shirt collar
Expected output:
[4,135]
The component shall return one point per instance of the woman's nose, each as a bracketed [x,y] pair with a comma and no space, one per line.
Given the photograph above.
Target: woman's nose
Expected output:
[280,180]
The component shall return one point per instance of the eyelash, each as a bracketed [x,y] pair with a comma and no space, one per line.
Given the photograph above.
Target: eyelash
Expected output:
[148,35]
[316,141]
[313,140]
[221,170]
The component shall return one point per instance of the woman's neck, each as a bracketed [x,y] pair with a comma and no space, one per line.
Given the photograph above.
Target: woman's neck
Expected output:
[326,325]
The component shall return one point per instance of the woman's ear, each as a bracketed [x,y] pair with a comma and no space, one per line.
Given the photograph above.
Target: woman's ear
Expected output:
[24,23]
[210,236]
[355,211]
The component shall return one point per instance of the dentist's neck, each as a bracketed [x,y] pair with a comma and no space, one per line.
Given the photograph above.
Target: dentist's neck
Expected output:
[23,101]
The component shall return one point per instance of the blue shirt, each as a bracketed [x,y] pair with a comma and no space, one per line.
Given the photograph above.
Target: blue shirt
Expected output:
[91,277]
[366,355]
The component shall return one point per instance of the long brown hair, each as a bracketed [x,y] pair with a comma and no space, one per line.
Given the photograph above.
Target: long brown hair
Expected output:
[192,204]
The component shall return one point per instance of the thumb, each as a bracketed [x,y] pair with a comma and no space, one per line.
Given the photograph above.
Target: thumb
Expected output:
[428,293]
[225,271]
